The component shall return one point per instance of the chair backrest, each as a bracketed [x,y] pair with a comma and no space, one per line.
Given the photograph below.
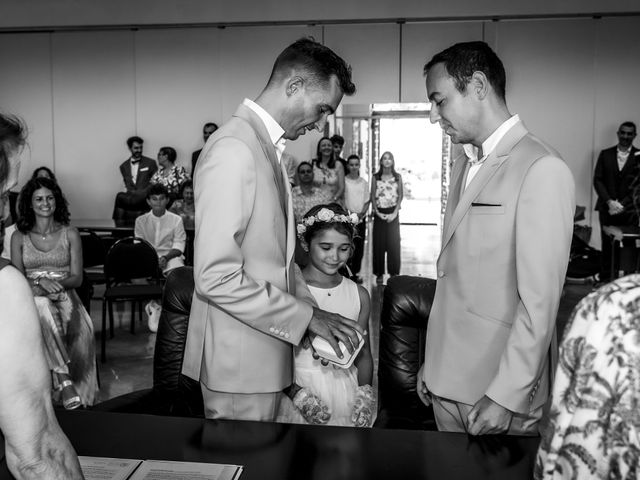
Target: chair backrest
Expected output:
[130,258]
[404,316]
[176,394]
[93,250]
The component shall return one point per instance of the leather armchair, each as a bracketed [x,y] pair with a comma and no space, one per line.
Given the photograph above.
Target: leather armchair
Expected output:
[404,315]
[172,393]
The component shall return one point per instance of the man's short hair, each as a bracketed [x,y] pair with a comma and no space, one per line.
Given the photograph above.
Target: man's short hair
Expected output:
[134,139]
[628,124]
[209,125]
[463,59]
[304,162]
[339,139]
[157,189]
[353,155]
[319,63]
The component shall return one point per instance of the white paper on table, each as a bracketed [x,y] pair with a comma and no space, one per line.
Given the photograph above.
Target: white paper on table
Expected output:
[103,468]
[162,470]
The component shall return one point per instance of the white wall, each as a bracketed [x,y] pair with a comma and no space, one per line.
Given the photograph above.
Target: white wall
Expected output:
[83,93]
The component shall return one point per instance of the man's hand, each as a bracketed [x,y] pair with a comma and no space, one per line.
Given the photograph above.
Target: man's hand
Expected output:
[334,328]
[421,388]
[615,207]
[162,262]
[487,417]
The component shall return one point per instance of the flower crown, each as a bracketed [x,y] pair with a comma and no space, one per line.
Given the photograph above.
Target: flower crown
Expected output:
[323,215]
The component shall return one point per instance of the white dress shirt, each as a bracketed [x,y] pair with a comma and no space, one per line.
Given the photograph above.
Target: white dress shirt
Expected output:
[165,233]
[274,129]
[488,146]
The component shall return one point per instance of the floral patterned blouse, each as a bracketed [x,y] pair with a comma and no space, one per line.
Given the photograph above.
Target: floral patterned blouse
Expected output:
[386,193]
[173,181]
[594,430]
[303,203]
[187,212]
[326,179]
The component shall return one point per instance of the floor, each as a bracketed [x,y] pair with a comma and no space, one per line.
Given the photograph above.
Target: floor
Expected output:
[129,365]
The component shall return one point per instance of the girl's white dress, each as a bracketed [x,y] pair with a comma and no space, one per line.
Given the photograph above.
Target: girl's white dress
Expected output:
[335,386]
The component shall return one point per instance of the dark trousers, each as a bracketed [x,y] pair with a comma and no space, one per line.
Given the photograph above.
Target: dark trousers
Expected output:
[386,241]
[355,262]
[130,205]
[625,259]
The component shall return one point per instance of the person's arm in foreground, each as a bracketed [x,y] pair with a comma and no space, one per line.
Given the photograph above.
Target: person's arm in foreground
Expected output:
[36,447]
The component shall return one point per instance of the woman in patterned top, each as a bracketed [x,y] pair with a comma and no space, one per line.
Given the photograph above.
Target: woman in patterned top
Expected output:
[170,175]
[594,429]
[386,197]
[328,174]
[185,207]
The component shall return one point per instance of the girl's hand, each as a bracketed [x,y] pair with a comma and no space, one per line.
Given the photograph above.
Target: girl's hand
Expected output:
[363,407]
[392,216]
[381,215]
[49,285]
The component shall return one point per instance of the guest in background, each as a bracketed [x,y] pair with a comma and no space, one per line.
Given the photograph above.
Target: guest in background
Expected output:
[162,229]
[304,197]
[49,252]
[617,169]
[185,206]
[35,446]
[328,174]
[170,175]
[594,429]
[386,198]
[136,173]
[357,199]
[337,141]
[165,232]
[207,130]
[44,172]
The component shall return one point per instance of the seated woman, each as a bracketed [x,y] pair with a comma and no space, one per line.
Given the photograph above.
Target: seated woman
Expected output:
[170,175]
[594,429]
[49,252]
[185,207]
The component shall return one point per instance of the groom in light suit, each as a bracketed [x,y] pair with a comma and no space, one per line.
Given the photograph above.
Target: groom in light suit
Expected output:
[490,348]
[251,304]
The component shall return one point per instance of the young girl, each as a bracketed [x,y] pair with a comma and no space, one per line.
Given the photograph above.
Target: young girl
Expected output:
[329,394]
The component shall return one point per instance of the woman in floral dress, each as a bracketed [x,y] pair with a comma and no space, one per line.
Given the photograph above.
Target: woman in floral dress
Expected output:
[170,175]
[386,197]
[594,421]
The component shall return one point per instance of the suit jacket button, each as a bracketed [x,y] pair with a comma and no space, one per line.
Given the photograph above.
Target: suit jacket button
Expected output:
[272,330]
[286,335]
[282,334]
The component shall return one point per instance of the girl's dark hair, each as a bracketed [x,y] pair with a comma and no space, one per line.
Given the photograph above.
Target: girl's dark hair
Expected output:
[187,184]
[46,169]
[332,160]
[345,228]
[395,174]
[26,215]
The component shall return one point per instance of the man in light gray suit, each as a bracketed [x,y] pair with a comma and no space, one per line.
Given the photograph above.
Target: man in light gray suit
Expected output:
[490,349]
[251,304]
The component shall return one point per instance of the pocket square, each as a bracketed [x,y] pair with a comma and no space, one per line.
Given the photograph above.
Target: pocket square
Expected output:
[473,204]
[144,169]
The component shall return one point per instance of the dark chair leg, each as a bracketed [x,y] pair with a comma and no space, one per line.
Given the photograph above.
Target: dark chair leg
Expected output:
[103,333]
[140,311]
[110,317]
[133,316]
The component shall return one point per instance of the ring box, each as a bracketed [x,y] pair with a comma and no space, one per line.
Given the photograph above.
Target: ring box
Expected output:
[326,351]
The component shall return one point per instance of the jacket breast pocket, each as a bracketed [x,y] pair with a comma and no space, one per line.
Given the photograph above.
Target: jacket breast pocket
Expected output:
[485,209]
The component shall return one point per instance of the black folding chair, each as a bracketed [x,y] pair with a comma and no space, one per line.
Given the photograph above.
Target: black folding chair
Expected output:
[94,254]
[132,274]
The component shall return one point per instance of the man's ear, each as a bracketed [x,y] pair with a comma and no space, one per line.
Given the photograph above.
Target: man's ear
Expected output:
[294,85]
[479,85]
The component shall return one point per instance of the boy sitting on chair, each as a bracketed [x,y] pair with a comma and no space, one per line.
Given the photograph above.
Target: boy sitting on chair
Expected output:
[165,231]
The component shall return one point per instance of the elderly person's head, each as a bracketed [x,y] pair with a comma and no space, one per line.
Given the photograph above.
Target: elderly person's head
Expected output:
[13,134]
[305,173]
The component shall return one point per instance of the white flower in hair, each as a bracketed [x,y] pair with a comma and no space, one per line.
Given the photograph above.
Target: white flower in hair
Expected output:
[301,229]
[324,215]
[354,218]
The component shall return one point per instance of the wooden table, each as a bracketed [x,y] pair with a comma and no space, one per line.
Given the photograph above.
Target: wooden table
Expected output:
[273,451]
